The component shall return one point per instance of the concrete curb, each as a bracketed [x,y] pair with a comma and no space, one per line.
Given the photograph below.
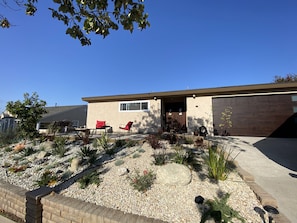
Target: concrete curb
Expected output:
[264,197]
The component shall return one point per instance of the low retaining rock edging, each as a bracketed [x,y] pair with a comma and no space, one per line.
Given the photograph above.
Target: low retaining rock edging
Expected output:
[44,205]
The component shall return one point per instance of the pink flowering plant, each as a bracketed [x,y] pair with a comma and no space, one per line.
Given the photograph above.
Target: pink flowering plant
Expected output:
[142,182]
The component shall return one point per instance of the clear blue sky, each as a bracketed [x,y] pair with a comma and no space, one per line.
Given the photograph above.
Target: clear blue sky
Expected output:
[191,44]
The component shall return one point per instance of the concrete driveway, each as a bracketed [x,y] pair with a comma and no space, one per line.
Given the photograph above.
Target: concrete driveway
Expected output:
[273,163]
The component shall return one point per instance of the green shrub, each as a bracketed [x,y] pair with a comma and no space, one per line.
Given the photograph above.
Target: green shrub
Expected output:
[28,151]
[217,164]
[47,179]
[220,211]
[119,143]
[8,149]
[91,178]
[59,146]
[141,150]
[136,155]
[160,158]
[87,155]
[142,182]
[153,140]
[103,141]
[131,143]
[119,162]
[181,156]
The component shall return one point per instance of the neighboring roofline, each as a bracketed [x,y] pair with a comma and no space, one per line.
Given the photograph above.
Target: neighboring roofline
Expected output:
[233,90]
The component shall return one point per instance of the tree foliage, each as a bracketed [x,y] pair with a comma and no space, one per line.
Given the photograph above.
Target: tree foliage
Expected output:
[90,16]
[287,78]
[28,113]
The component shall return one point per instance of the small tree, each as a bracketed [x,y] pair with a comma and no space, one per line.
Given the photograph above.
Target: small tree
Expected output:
[28,113]
[226,120]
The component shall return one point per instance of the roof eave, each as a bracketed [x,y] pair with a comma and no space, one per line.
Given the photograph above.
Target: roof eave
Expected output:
[244,89]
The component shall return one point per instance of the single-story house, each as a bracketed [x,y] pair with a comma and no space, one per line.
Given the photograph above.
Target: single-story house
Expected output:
[74,116]
[257,110]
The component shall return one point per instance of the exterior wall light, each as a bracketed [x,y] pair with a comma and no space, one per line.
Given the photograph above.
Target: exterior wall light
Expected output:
[155,98]
[194,96]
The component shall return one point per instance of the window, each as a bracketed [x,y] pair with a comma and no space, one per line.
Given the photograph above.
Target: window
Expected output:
[134,106]
[294,97]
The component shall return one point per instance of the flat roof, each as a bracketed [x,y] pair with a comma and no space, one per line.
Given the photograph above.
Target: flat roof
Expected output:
[219,91]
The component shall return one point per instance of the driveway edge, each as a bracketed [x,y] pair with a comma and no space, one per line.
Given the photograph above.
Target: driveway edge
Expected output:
[264,197]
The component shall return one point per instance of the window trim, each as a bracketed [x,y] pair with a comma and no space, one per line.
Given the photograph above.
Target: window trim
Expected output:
[137,101]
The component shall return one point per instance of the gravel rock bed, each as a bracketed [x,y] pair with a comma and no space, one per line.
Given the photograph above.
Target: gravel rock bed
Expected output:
[169,203]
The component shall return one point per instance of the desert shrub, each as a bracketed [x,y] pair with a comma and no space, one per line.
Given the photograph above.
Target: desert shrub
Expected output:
[217,162]
[59,146]
[47,179]
[119,162]
[142,182]
[160,158]
[220,211]
[103,141]
[88,155]
[28,151]
[136,155]
[154,141]
[119,143]
[8,149]
[95,143]
[141,150]
[91,178]
[131,143]
[182,156]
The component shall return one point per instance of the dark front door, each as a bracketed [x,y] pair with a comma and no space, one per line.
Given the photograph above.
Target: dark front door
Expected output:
[175,116]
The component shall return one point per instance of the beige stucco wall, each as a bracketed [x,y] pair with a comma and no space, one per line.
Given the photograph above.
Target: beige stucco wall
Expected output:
[143,121]
[199,112]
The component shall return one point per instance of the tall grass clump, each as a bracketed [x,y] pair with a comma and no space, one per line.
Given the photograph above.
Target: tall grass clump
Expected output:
[217,162]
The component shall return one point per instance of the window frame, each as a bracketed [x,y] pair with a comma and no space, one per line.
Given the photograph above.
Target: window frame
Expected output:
[134,102]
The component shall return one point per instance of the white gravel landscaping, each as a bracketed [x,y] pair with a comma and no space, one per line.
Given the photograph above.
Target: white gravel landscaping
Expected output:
[169,203]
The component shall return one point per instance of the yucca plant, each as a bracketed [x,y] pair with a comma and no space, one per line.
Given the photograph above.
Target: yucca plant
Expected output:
[59,147]
[220,211]
[91,178]
[48,178]
[87,154]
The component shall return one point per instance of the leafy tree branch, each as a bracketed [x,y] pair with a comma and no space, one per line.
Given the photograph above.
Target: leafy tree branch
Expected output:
[90,16]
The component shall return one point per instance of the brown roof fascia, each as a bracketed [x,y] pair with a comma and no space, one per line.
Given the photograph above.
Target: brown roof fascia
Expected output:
[244,89]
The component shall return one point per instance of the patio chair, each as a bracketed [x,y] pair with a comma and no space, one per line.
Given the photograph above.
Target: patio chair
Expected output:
[127,127]
[102,125]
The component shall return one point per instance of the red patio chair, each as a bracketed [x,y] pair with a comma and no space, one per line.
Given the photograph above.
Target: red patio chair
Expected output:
[100,124]
[127,127]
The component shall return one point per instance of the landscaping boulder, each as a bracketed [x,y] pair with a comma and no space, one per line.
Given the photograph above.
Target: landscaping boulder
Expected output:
[173,174]
[41,154]
[123,171]
[74,164]
[47,145]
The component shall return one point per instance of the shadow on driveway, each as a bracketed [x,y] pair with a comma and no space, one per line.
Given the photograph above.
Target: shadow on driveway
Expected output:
[281,150]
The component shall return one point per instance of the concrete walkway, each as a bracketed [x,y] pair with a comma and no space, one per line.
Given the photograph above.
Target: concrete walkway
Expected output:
[273,163]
